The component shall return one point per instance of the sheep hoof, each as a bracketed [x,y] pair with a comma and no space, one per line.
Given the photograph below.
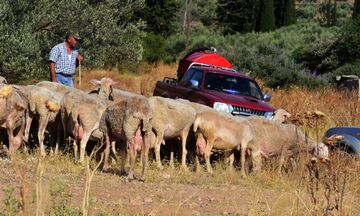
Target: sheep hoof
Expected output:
[129,178]
[185,168]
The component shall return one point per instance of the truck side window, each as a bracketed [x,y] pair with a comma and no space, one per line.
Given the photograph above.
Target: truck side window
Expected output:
[187,77]
[197,75]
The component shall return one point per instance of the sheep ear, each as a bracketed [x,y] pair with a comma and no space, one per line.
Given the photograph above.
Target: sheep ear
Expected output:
[113,83]
[95,82]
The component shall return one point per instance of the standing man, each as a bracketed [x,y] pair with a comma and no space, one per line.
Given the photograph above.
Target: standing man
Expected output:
[64,58]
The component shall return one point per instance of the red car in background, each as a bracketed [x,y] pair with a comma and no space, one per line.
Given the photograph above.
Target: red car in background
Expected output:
[207,78]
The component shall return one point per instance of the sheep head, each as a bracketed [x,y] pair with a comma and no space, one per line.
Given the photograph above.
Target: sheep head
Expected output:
[105,86]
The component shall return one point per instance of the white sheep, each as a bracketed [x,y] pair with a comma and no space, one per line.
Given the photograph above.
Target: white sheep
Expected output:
[45,105]
[130,121]
[171,119]
[12,115]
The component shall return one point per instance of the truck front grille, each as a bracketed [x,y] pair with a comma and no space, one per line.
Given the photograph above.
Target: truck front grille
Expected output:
[238,110]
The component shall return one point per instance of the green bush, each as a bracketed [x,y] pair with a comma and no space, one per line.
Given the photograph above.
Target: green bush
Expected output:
[349,46]
[319,56]
[153,47]
[268,56]
[347,69]
[29,31]
[306,10]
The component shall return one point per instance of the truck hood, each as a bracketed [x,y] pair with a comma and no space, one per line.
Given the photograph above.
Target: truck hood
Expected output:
[240,100]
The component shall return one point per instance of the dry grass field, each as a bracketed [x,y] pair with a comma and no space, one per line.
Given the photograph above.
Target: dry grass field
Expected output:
[57,185]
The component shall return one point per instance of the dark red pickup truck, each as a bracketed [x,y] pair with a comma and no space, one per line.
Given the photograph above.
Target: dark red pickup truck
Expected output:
[216,86]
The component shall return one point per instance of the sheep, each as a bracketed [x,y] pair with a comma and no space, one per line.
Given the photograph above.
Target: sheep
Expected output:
[118,96]
[12,115]
[273,138]
[171,119]
[221,131]
[81,112]
[83,122]
[105,87]
[45,104]
[128,120]
[281,115]
[54,86]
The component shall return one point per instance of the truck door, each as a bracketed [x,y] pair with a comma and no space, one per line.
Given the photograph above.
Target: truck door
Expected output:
[190,84]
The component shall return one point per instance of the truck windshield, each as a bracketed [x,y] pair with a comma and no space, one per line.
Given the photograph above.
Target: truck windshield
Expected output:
[232,85]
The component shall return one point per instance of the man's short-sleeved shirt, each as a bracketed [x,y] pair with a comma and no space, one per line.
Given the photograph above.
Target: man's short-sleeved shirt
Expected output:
[63,64]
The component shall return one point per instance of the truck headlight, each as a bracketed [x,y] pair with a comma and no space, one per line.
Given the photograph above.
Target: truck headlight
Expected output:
[269,115]
[223,107]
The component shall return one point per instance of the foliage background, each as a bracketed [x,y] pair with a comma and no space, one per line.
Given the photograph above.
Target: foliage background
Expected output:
[282,42]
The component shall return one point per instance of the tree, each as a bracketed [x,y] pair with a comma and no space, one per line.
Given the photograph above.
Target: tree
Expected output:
[267,19]
[356,10]
[289,13]
[237,15]
[30,29]
[327,12]
[159,16]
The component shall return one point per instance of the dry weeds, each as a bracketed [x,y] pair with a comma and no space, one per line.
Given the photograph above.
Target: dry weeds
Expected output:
[304,189]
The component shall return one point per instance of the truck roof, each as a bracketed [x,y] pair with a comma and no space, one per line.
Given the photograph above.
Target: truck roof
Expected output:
[202,57]
[210,58]
[222,71]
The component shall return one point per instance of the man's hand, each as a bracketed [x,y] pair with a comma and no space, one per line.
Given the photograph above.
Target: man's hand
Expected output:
[80,58]
[52,72]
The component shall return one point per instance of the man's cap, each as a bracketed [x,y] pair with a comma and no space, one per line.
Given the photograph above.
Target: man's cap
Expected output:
[75,34]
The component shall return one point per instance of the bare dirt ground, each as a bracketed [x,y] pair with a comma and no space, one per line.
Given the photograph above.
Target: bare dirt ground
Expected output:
[166,192]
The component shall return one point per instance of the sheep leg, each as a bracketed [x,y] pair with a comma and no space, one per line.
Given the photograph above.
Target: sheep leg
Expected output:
[83,143]
[42,126]
[18,139]
[123,157]
[243,158]
[58,138]
[207,154]
[107,152]
[184,135]
[229,160]
[145,155]
[197,162]
[75,148]
[282,159]
[132,150]
[171,162]
[159,137]
[256,161]
[63,123]
[113,149]
[29,118]
[14,143]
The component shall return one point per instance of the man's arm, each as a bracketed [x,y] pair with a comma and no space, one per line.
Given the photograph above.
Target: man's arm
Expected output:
[54,57]
[52,71]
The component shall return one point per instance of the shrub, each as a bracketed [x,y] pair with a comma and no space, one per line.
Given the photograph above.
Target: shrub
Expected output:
[306,10]
[347,69]
[153,47]
[29,31]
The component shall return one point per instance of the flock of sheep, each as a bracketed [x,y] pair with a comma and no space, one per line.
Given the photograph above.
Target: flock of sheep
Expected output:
[137,123]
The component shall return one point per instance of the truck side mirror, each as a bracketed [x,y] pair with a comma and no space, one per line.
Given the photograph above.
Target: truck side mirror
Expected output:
[194,84]
[267,97]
